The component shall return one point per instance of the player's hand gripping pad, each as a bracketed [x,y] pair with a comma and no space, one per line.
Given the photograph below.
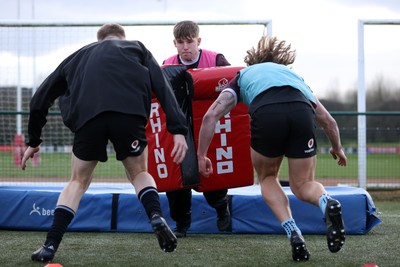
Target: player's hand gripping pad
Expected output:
[168,175]
[229,151]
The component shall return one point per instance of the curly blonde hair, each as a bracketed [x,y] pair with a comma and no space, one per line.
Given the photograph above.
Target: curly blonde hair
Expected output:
[270,49]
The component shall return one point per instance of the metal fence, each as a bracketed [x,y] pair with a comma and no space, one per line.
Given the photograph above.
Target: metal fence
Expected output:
[53,162]
[30,50]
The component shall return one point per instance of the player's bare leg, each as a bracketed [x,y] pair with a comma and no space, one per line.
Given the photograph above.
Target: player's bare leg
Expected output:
[146,190]
[67,205]
[303,185]
[267,170]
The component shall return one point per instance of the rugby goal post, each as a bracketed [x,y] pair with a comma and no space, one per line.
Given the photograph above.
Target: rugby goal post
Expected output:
[361,98]
[31,49]
[37,23]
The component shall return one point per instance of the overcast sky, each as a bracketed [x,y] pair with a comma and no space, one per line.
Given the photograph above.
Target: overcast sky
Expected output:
[323,32]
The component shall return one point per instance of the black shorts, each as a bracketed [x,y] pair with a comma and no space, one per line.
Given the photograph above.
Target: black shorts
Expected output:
[284,129]
[126,132]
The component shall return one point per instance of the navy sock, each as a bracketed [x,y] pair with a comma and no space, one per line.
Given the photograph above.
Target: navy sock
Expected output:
[63,216]
[150,201]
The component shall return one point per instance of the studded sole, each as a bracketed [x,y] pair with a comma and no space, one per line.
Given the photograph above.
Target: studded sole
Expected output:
[336,234]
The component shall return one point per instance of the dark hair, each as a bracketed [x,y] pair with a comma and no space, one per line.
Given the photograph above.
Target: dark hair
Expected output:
[110,30]
[270,49]
[186,29]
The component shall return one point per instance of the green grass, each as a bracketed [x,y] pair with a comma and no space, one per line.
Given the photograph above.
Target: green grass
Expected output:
[379,246]
[378,166]
[57,165]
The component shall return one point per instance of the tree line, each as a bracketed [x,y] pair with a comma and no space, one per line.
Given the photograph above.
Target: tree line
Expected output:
[379,97]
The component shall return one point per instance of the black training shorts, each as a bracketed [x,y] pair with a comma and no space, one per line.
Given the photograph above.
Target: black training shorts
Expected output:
[284,129]
[126,132]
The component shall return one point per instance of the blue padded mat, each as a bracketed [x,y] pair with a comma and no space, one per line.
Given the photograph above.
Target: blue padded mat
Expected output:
[107,207]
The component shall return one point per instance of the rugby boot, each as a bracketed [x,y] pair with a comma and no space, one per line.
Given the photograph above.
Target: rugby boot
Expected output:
[44,253]
[180,230]
[166,238]
[335,233]
[299,249]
